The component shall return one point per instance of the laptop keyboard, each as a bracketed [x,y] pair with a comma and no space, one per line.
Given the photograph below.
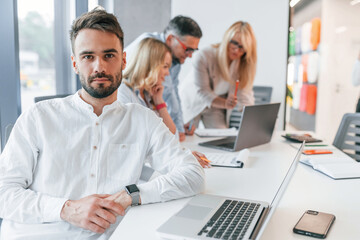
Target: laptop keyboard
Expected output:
[229,145]
[231,220]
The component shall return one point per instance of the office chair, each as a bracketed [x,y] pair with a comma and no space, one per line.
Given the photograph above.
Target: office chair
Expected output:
[42,98]
[262,95]
[347,138]
[8,129]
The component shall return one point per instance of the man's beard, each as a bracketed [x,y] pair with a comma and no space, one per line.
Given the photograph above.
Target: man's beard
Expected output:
[101,91]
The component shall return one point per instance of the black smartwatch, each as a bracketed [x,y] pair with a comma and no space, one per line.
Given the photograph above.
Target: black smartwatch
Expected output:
[134,193]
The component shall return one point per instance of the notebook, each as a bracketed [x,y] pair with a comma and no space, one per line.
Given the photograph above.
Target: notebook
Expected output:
[256,128]
[234,160]
[334,167]
[217,217]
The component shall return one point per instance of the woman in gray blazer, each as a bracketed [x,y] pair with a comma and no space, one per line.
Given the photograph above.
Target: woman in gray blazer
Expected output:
[208,92]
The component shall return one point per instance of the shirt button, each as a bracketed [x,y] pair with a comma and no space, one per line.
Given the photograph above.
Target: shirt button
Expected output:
[94,147]
[92,175]
[97,124]
[123,146]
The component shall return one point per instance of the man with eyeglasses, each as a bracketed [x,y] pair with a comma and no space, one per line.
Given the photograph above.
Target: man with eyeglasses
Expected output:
[182,35]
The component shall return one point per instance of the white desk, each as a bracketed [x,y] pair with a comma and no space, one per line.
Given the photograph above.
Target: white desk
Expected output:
[259,180]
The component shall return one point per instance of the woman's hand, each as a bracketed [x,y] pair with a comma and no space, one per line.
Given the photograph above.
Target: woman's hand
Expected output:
[204,162]
[156,93]
[231,102]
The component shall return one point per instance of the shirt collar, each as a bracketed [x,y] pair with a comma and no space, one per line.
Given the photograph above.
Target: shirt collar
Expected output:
[80,103]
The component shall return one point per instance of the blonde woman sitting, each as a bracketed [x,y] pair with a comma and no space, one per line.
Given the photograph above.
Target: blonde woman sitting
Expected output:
[209,89]
[143,79]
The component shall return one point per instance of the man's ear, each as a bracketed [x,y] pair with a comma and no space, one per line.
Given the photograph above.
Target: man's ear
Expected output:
[168,39]
[74,65]
[124,61]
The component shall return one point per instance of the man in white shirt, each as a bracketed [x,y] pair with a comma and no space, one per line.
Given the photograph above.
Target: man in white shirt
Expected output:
[70,166]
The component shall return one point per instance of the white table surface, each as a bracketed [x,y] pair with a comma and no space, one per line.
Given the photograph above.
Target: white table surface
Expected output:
[259,180]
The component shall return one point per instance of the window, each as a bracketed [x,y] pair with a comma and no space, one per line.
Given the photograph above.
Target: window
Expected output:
[36,49]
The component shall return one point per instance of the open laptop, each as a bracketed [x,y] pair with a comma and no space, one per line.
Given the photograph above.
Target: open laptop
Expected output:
[217,217]
[256,128]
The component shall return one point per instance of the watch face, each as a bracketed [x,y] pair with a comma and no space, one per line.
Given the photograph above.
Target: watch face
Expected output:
[132,188]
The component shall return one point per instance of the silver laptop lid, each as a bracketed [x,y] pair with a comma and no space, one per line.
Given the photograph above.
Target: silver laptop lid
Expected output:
[256,125]
[281,190]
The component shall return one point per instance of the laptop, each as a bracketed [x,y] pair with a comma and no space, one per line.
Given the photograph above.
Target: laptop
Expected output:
[217,217]
[256,128]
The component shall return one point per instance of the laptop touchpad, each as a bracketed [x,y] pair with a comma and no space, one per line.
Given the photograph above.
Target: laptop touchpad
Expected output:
[194,212]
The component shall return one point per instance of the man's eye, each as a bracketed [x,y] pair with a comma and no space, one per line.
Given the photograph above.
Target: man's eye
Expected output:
[88,57]
[109,55]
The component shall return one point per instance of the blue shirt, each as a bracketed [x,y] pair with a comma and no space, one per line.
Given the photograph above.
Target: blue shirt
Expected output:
[171,93]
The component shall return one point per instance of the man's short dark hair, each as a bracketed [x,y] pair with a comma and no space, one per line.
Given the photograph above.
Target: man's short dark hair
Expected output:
[97,19]
[182,26]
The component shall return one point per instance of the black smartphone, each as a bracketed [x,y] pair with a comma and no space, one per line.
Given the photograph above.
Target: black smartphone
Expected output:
[314,224]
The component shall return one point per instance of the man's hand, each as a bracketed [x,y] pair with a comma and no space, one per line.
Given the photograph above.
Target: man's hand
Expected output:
[94,212]
[202,159]
[189,131]
[122,198]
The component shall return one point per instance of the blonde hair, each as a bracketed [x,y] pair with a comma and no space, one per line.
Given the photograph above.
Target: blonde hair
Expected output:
[144,67]
[247,63]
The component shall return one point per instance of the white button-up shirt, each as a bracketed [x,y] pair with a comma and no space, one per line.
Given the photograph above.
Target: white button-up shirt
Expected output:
[60,149]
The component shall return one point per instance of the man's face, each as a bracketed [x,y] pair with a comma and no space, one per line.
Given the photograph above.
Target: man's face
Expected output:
[178,45]
[99,61]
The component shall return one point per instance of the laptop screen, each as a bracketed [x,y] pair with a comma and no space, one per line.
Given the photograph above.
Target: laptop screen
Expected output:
[281,189]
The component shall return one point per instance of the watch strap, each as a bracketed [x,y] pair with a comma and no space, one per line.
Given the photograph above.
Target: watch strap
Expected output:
[134,193]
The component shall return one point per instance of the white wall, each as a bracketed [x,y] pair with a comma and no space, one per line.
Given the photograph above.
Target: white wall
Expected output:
[269,20]
[340,40]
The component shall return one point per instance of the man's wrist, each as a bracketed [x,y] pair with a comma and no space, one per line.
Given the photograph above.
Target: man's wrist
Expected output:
[64,210]
[134,193]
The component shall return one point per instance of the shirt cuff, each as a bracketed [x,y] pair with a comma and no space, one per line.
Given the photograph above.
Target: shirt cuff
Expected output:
[52,208]
[147,193]
[180,128]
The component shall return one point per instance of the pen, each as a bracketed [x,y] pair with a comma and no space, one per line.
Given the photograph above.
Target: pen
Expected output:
[236,87]
[316,145]
[190,124]
[205,159]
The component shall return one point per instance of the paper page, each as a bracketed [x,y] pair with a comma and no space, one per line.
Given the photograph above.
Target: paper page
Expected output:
[216,132]
[318,160]
[340,170]
[229,159]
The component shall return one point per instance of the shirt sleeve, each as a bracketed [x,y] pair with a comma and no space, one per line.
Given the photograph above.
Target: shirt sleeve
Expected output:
[182,175]
[202,79]
[356,73]
[172,99]
[17,164]
[246,97]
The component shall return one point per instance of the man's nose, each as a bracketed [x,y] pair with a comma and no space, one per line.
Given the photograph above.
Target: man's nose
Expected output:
[189,54]
[100,65]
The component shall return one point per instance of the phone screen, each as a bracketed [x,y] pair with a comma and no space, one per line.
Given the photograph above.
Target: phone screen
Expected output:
[315,224]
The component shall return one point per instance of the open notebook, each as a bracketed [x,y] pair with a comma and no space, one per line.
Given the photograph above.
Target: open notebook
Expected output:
[334,167]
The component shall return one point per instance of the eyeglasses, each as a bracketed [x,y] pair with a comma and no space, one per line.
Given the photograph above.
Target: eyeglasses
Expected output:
[237,45]
[187,49]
